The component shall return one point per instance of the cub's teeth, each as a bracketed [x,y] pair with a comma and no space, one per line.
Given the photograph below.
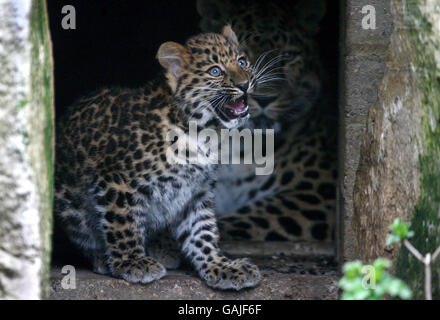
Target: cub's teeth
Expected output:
[240,111]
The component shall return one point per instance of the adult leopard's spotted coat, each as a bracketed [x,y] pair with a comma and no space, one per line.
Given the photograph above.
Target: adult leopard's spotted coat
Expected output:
[298,201]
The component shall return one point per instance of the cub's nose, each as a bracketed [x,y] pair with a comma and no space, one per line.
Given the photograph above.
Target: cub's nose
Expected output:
[244,86]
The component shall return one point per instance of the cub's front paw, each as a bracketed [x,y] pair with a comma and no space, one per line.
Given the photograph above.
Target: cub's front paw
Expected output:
[231,274]
[142,270]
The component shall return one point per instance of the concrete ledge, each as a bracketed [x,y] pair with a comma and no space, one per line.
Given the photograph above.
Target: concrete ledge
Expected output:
[274,248]
[283,278]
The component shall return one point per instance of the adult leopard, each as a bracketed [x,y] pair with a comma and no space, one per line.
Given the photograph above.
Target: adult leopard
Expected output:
[297,201]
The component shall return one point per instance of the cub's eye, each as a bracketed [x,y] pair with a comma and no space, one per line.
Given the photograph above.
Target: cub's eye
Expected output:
[242,63]
[215,71]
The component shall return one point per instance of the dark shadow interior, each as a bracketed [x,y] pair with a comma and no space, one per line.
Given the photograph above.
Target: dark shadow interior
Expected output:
[115,43]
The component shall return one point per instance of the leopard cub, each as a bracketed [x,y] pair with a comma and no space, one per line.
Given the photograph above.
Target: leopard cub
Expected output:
[117,191]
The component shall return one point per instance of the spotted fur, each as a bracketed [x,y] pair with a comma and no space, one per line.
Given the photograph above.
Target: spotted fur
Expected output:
[116,190]
[297,202]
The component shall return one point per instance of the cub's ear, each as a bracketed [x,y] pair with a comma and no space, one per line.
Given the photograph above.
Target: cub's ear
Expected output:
[228,33]
[173,57]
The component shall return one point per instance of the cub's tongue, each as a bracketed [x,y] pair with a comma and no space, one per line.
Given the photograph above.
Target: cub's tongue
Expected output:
[237,107]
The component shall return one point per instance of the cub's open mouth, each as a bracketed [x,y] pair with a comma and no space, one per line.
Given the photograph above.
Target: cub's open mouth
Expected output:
[236,108]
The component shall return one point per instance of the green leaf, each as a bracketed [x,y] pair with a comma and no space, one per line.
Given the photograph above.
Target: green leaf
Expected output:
[381,264]
[392,238]
[399,232]
[353,285]
[352,269]
[405,293]
[394,287]
[361,294]
[380,290]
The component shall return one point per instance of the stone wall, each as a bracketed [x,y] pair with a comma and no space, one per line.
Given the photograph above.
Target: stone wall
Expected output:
[397,172]
[363,63]
[422,29]
[26,149]
[387,180]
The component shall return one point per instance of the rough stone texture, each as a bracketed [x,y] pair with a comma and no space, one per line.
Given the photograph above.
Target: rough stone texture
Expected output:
[41,118]
[363,61]
[387,181]
[422,28]
[399,169]
[283,279]
[25,203]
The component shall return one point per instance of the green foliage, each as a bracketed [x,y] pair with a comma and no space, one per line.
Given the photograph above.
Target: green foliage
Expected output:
[371,282]
[399,232]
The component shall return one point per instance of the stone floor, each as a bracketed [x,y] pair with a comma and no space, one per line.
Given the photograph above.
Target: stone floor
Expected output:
[290,272]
